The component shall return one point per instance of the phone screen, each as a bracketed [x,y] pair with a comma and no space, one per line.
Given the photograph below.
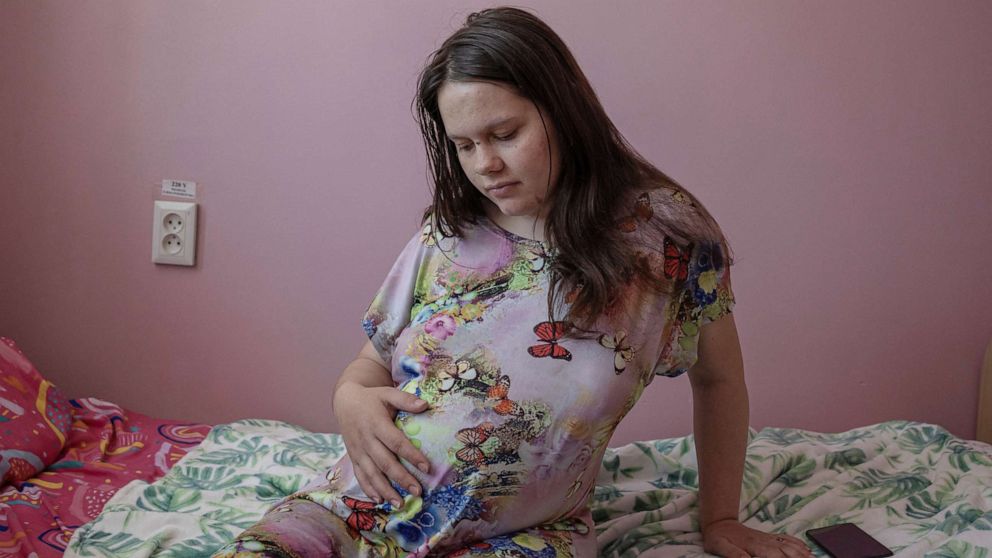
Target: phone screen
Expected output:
[847,540]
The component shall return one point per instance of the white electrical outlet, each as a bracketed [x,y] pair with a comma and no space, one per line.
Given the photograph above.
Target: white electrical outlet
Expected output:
[174,233]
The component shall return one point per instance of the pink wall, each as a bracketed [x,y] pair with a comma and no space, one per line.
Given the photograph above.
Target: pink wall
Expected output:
[844,146]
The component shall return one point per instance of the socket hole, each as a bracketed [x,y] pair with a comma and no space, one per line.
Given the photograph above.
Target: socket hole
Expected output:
[171,244]
[172,223]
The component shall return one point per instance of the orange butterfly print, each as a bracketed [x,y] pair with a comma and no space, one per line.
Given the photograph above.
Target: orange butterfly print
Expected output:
[642,212]
[472,439]
[550,333]
[622,352]
[361,518]
[676,261]
[498,392]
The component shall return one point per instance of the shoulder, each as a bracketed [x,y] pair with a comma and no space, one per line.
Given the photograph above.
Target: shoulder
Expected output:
[433,245]
[659,216]
[670,236]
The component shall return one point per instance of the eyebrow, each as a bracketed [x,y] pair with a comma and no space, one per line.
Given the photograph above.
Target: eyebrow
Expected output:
[494,124]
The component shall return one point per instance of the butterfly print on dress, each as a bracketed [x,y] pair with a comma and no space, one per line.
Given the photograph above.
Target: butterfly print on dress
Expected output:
[463,371]
[676,261]
[642,212]
[361,518]
[498,395]
[550,333]
[622,351]
[472,439]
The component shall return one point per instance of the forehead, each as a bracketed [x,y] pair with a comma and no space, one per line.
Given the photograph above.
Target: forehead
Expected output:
[473,107]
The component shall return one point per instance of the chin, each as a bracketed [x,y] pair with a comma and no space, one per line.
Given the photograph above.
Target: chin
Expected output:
[515,210]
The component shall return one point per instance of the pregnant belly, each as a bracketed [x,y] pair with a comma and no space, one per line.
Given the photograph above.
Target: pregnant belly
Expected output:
[494,470]
[512,467]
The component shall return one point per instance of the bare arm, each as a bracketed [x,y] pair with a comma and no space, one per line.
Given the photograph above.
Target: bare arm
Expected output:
[367,370]
[720,420]
[720,424]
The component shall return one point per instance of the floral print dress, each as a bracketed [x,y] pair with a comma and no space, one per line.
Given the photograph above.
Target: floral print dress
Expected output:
[519,413]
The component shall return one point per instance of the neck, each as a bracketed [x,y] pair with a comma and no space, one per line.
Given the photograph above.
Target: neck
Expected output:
[526,226]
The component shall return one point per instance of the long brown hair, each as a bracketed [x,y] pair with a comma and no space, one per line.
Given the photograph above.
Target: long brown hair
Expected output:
[600,172]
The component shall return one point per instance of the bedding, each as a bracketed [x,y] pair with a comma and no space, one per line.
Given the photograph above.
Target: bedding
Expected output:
[34,417]
[913,486]
[62,459]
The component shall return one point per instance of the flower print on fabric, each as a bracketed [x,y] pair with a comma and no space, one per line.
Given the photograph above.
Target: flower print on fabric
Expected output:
[519,413]
[706,296]
[440,326]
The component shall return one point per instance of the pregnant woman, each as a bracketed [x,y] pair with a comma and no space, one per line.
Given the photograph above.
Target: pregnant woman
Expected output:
[557,272]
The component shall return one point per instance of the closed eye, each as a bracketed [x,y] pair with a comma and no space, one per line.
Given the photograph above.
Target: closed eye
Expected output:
[506,136]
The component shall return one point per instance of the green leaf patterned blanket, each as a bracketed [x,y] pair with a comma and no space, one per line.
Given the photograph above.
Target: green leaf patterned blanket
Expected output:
[915,487]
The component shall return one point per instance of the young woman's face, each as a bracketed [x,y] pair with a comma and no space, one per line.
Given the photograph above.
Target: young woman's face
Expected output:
[503,148]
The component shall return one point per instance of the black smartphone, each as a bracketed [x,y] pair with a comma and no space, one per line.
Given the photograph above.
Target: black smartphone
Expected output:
[847,540]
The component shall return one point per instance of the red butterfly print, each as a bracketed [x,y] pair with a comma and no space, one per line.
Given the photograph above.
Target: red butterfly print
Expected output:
[361,518]
[676,261]
[499,392]
[550,333]
[642,212]
[472,438]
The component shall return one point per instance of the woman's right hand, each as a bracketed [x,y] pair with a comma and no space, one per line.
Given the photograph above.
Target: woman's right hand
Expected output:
[366,418]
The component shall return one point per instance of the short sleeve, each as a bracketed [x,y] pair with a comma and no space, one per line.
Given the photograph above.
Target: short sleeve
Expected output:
[389,312]
[705,297]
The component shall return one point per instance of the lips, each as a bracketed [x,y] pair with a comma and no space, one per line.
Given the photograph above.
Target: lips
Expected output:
[499,186]
[502,190]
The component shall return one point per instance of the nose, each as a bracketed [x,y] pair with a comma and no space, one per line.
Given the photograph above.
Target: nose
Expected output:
[487,161]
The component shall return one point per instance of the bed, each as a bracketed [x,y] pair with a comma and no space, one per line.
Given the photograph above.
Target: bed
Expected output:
[914,486]
[62,459]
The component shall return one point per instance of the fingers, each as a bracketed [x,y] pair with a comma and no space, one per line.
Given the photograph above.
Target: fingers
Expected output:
[723,547]
[790,546]
[765,545]
[384,454]
[376,445]
[363,481]
[795,548]
[375,467]
[404,401]
[375,485]
[397,442]
[393,438]
[728,550]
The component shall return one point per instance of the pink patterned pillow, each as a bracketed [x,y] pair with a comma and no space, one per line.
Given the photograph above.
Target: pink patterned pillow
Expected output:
[34,417]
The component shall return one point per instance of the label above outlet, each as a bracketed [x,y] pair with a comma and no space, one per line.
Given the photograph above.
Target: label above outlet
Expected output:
[179,189]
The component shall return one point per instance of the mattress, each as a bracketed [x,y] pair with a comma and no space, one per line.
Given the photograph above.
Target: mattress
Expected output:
[914,486]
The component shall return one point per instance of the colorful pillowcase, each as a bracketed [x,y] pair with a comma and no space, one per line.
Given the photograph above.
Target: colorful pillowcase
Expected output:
[34,417]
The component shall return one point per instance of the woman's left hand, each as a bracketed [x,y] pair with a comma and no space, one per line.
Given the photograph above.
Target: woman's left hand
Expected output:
[730,539]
